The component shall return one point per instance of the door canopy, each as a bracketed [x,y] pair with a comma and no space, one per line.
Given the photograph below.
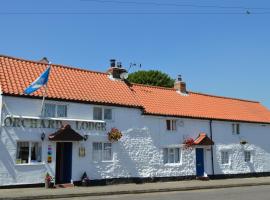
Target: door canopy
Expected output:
[66,133]
[203,139]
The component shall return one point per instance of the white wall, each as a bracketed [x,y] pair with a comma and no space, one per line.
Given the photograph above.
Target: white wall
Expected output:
[139,153]
[257,136]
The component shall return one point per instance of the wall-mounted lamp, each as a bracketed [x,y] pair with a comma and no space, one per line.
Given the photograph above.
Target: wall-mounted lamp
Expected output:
[42,137]
[243,142]
[85,137]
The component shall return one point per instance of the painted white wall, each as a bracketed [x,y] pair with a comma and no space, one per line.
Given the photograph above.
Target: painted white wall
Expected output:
[139,153]
[257,136]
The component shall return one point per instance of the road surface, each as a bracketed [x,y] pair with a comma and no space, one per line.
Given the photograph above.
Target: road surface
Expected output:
[239,193]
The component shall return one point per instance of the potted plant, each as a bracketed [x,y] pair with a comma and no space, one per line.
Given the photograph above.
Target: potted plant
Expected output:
[85,180]
[49,181]
[188,143]
[114,135]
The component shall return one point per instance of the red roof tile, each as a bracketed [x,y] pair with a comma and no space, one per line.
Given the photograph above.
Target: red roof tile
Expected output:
[64,83]
[73,84]
[166,101]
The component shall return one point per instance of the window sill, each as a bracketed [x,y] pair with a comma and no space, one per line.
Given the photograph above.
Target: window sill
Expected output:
[226,164]
[172,164]
[109,120]
[30,164]
[103,161]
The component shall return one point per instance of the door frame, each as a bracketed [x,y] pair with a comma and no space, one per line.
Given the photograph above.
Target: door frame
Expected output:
[200,160]
[63,162]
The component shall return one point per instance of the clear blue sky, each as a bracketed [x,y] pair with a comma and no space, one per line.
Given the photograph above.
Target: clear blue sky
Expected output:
[227,53]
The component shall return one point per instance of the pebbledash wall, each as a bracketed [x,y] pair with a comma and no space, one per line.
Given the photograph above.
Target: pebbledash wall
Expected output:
[139,153]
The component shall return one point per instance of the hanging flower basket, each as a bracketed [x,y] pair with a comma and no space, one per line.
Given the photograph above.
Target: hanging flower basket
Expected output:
[188,143]
[114,135]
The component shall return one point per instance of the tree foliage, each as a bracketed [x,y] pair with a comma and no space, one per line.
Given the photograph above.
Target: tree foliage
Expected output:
[151,77]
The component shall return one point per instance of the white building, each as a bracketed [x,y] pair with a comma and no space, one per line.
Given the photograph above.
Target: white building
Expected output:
[70,137]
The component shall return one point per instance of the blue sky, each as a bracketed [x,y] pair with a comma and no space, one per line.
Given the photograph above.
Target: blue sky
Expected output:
[226,53]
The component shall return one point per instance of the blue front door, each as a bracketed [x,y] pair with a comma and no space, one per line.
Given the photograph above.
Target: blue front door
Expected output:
[63,162]
[199,162]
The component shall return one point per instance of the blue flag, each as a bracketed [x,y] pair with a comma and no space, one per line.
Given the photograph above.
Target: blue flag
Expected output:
[39,82]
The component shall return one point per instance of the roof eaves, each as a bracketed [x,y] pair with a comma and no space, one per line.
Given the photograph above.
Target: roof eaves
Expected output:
[77,101]
[205,118]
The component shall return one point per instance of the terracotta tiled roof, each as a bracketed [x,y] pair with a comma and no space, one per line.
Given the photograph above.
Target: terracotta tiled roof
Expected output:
[203,139]
[166,101]
[64,83]
[73,84]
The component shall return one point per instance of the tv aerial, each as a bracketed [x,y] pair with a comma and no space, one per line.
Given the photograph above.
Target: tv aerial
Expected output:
[134,64]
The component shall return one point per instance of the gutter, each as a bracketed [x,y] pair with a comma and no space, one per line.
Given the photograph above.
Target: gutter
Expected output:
[212,151]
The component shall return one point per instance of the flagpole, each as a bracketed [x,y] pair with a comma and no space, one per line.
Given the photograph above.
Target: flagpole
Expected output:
[44,95]
[43,99]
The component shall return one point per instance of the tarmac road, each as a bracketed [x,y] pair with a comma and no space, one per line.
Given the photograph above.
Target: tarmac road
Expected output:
[239,193]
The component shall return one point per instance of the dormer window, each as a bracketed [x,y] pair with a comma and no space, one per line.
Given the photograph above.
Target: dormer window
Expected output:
[171,124]
[54,110]
[236,129]
[100,113]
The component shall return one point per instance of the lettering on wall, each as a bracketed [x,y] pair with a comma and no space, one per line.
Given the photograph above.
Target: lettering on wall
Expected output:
[20,122]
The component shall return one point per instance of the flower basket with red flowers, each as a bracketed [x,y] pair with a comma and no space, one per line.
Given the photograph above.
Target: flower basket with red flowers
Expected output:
[114,135]
[188,143]
[49,181]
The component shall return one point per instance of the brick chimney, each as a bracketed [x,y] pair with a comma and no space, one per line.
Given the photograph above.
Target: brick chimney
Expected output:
[116,69]
[180,85]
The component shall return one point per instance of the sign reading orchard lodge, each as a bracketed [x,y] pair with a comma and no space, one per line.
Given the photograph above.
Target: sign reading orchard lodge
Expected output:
[20,122]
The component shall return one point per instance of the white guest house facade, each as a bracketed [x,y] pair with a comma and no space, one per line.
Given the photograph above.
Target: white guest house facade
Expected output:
[161,133]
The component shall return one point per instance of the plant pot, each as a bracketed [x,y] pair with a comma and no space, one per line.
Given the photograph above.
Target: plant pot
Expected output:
[51,185]
[47,184]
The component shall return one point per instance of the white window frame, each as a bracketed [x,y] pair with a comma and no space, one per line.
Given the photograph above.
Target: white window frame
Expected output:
[173,124]
[166,157]
[30,153]
[250,158]
[236,129]
[101,153]
[56,110]
[103,113]
[221,157]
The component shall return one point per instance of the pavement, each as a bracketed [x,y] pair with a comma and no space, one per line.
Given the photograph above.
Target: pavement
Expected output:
[42,193]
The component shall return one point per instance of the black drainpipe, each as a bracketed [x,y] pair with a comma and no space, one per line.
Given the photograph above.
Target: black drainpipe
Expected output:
[212,153]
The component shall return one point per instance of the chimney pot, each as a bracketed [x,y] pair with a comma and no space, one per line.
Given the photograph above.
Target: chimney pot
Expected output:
[112,61]
[116,69]
[180,85]
[119,64]
[179,77]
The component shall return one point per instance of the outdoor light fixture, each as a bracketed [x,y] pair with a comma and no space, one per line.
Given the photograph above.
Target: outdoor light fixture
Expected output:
[243,142]
[42,136]
[85,137]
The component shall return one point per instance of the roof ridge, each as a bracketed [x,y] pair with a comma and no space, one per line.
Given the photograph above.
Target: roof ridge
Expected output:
[57,65]
[152,86]
[224,97]
[199,93]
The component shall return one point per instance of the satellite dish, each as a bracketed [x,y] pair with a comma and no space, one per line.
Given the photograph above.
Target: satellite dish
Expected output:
[124,75]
